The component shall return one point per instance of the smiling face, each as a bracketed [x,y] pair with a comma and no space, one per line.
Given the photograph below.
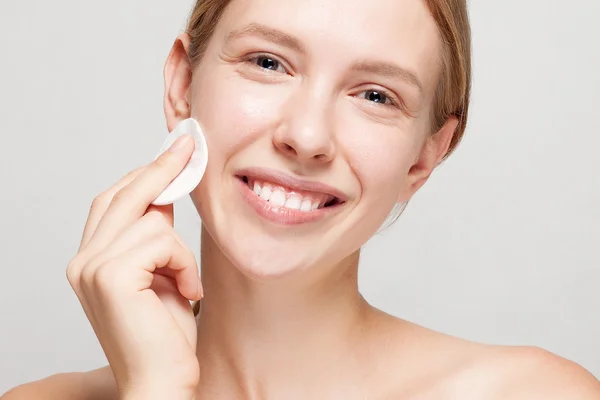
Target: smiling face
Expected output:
[317,117]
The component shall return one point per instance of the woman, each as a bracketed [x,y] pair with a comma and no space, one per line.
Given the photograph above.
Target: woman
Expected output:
[321,118]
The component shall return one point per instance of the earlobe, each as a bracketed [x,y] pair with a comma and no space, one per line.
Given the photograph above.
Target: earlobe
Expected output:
[433,152]
[178,78]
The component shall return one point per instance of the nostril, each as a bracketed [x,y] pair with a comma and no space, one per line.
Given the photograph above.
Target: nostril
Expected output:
[289,148]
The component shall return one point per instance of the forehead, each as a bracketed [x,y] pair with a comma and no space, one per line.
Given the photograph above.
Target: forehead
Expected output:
[396,31]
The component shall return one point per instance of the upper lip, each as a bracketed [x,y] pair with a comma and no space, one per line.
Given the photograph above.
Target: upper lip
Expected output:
[288,181]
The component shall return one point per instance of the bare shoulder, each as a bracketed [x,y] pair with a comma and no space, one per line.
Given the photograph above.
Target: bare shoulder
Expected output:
[92,385]
[432,365]
[519,373]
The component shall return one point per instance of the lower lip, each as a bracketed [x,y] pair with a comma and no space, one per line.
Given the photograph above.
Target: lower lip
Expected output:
[282,215]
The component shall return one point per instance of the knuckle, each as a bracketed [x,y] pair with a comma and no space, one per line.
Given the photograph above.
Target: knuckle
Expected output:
[87,275]
[78,272]
[155,220]
[118,197]
[105,278]
[73,271]
[100,200]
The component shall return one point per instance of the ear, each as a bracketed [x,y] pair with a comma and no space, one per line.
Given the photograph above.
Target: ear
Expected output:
[433,151]
[178,78]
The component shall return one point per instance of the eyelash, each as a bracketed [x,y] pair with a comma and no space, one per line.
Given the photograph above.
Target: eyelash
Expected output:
[251,59]
[390,96]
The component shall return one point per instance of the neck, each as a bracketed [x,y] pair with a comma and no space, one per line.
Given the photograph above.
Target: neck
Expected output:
[261,337]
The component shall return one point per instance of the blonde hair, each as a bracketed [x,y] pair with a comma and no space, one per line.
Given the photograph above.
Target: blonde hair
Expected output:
[454,87]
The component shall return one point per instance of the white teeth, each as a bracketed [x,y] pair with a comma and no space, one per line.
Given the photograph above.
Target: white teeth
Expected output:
[306,205]
[277,198]
[265,193]
[257,188]
[294,203]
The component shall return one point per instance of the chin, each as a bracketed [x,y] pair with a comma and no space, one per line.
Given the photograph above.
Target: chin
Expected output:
[263,253]
[264,264]
[271,225]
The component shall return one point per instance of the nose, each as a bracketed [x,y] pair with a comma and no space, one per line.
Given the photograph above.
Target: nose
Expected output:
[306,134]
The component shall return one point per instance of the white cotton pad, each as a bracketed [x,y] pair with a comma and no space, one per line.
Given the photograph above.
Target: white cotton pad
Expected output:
[192,173]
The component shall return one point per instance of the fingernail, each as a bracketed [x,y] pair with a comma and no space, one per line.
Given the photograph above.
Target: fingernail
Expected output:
[181,143]
[200,289]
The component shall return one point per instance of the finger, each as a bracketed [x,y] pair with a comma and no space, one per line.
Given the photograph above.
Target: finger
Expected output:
[134,269]
[167,211]
[177,305]
[101,203]
[152,224]
[132,201]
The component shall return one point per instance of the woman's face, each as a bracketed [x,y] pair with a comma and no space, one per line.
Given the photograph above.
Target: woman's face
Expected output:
[310,104]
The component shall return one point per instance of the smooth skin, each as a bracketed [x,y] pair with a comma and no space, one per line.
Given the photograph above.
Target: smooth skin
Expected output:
[282,317]
[423,365]
[113,276]
[125,240]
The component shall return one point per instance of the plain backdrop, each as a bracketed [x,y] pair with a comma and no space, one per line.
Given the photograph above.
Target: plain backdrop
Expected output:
[501,246]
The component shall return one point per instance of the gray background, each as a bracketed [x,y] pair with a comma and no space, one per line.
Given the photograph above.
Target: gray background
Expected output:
[501,246]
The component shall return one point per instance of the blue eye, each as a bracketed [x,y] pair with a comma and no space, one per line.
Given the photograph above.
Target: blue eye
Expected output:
[382,97]
[377,96]
[267,62]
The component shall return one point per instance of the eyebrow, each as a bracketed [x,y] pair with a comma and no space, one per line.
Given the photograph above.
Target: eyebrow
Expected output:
[281,38]
[267,33]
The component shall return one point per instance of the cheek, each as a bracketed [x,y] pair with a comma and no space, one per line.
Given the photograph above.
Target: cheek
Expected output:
[381,159]
[234,112]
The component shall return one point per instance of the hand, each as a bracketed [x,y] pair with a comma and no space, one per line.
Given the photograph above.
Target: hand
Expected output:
[134,277]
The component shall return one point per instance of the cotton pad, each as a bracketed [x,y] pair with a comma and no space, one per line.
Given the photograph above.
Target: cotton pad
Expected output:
[192,173]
